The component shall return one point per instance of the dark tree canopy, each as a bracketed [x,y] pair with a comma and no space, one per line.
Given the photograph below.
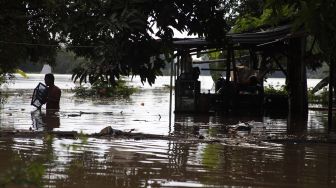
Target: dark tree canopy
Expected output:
[314,17]
[28,22]
[124,32]
[117,37]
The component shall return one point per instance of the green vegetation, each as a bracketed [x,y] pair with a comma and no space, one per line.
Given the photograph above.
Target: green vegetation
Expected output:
[22,23]
[26,172]
[319,98]
[212,56]
[210,156]
[313,97]
[102,89]
[116,37]
[265,18]
[126,41]
[271,90]
[315,18]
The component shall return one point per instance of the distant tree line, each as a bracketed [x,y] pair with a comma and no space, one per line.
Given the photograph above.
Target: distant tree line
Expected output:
[65,62]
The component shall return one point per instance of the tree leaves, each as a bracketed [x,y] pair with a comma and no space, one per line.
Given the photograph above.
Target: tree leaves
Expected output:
[23,26]
[116,37]
[274,13]
[128,47]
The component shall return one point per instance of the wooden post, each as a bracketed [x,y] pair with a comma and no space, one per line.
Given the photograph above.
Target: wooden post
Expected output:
[234,68]
[297,87]
[331,93]
[178,66]
[254,59]
[262,63]
[228,64]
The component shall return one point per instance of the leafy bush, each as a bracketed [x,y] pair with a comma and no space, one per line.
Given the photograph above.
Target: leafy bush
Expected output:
[314,98]
[271,90]
[321,98]
[102,89]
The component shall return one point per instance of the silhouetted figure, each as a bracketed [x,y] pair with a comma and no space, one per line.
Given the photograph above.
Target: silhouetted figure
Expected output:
[54,93]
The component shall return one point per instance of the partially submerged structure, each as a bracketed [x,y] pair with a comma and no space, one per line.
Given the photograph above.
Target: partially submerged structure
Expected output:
[242,85]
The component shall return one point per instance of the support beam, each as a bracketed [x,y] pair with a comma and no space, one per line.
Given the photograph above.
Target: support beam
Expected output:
[332,82]
[279,65]
[171,92]
[297,87]
[254,59]
[228,64]
[234,68]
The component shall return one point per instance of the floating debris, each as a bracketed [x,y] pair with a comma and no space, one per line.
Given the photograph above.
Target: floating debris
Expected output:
[110,131]
[74,115]
[140,120]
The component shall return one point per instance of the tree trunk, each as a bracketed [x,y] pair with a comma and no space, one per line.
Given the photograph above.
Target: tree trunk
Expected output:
[297,87]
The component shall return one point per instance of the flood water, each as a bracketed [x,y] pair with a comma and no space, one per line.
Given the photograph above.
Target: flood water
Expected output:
[238,159]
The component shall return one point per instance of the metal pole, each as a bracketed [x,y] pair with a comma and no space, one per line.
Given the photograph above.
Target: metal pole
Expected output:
[171,92]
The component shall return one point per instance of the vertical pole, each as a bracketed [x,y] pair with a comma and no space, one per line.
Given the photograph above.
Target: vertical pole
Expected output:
[330,103]
[171,92]
[175,71]
[228,64]
[297,86]
[334,91]
[234,65]
[178,66]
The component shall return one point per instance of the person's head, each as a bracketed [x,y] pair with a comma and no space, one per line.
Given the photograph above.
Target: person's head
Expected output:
[49,79]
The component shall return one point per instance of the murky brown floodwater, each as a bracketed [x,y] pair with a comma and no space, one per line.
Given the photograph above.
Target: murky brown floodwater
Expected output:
[240,160]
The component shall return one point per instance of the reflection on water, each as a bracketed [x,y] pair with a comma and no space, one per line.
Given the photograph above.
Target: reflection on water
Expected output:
[157,163]
[45,121]
[87,162]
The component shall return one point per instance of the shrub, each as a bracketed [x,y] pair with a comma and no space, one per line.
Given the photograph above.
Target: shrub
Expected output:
[314,98]
[102,89]
[271,90]
[320,98]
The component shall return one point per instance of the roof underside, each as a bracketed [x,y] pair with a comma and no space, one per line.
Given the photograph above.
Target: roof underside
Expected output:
[240,40]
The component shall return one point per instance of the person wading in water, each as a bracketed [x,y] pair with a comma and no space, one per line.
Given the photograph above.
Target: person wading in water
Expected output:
[53,97]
